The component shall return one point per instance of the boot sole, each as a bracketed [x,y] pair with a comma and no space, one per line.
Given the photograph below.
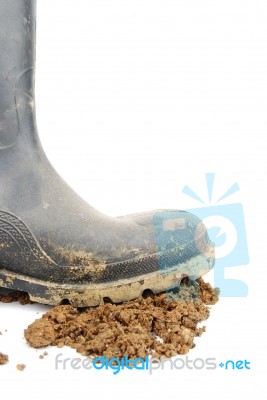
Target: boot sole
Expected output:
[83,295]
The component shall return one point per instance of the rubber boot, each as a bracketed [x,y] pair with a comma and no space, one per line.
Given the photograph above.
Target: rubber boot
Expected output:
[52,244]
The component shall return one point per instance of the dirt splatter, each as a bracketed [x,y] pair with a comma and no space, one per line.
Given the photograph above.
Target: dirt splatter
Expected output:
[65,256]
[79,263]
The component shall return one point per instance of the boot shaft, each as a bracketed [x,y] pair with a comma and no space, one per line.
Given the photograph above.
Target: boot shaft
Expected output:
[17,63]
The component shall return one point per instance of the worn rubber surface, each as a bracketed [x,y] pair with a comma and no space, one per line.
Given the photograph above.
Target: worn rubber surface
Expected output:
[25,266]
[53,244]
[118,291]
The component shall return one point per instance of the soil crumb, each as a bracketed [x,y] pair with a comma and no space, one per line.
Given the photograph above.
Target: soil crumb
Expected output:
[3,359]
[21,367]
[42,356]
[156,325]
[22,297]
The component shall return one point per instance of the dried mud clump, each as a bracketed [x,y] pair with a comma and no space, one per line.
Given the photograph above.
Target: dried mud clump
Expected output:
[157,325]
[3,359]
[21,367]
[21,297]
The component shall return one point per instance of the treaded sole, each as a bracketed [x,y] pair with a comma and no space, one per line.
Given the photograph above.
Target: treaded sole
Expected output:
[119,291]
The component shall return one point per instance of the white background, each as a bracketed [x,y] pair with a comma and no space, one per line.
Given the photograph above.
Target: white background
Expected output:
[135,99]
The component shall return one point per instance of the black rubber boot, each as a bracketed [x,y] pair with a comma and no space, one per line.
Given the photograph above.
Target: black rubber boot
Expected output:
[52,244]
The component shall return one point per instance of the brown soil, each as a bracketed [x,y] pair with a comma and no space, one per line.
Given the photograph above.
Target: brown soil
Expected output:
[21,367]
[42,356]
[21,297]
[157,325]
[3,359]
